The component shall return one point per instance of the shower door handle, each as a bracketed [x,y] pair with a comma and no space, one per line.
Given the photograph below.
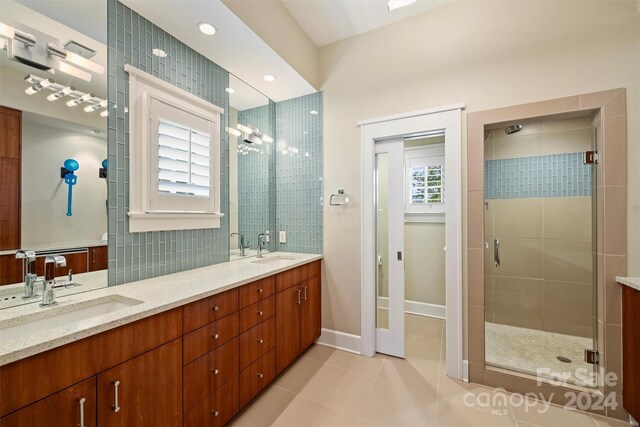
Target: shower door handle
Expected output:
[496,252]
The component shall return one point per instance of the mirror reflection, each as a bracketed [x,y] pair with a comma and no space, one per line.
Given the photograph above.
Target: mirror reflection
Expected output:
[251,170]
[53,177]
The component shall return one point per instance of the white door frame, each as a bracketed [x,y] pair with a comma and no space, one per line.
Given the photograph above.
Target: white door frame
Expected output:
[449,119]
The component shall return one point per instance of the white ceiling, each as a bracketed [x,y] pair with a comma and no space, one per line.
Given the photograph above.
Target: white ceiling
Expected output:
[235,47]
[328,21]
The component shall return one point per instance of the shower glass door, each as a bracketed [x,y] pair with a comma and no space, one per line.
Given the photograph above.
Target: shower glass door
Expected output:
[540,300]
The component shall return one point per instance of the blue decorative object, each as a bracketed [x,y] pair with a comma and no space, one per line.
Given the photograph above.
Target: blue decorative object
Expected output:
[102,172]
[68,173]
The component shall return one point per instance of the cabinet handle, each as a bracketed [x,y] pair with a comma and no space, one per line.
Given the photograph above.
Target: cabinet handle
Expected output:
[260,313]
[298,300]
[81,402]
[216,336]
[215,371]
[115,406]
[214,413]
[260,341]
[261,290]
[305,293]
[216,308]
[260,375]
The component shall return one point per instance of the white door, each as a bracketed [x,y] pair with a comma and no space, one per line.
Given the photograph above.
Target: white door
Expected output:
[389,204]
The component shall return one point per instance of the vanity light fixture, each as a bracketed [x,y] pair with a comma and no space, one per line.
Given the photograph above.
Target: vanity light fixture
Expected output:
[267,138]
[11,33]
[244,128]
[159,52]
[97,106]
[234,132]
[61,93]
[79,100]
[37,86]
[230,90]
[104,113]
[397,4]
[269,78]
[207,29]
[75,72]
[74,58]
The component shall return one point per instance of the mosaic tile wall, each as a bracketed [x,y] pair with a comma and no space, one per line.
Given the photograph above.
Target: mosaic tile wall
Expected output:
[299,173]
[136,256]
[560,175]
[256,178]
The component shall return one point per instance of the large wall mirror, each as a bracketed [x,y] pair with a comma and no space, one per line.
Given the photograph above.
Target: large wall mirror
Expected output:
[252,182]
[53,91]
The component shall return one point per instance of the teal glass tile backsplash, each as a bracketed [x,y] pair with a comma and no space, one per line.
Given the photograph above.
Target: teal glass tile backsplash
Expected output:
[137,256]
[299,173]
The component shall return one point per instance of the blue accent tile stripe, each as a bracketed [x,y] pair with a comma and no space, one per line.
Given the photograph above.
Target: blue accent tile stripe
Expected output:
[559,175]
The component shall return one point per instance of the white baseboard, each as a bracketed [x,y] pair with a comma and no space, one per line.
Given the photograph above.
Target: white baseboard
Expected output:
[419,308]
[341,341]
[465,371]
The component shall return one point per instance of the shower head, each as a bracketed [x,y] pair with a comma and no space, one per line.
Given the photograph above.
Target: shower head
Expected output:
[512,129]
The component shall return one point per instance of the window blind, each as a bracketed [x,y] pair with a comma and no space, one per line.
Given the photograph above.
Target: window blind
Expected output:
[184,157]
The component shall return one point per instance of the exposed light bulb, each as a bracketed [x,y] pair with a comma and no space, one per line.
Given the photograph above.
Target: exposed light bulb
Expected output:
[267,138]
[64,92]
[79,100]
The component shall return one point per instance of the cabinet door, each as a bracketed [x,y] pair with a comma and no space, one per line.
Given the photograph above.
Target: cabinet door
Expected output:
[74,406]
[310,312]
[98,258]
[144,391]
[287,327]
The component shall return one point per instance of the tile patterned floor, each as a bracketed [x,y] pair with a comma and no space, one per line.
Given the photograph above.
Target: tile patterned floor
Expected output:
[327,387]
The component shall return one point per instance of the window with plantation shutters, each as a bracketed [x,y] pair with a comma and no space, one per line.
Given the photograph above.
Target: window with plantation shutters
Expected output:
[174,149]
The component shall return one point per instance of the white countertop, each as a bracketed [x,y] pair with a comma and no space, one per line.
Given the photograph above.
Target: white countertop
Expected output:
[58,246]
[157,295]
[632,282]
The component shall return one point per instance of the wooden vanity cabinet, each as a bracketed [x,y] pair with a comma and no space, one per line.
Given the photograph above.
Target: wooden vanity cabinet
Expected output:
[631,351]
[98,258]
[298,312]
[73,406]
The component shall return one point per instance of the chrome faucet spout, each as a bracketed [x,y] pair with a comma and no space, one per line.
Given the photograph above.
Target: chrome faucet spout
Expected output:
[241,244]
[29,275]
[260,244]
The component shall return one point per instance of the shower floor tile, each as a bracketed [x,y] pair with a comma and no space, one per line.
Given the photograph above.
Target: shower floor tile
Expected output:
[536,352]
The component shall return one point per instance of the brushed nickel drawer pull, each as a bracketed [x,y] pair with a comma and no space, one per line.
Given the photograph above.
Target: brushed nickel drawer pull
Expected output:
[261,290]
[260,341]
[216,336]
[215,371]
[214,413]
[216,308]
[298,298]
[260,313]
[115,406]
[305,293]
[260,375]
[81,402]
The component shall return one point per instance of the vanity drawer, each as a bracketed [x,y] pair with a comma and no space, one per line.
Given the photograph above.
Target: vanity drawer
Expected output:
[207,338]
[257,313]
[257,376]
[257,341]
[210,309]
[215,410]
[257,291]
[292,277]
[208,373]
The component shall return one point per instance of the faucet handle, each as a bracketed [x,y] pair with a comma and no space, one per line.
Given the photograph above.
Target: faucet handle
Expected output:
[28,255]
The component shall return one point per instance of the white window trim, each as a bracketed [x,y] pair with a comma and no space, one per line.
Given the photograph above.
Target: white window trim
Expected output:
[434,213]
[142,87]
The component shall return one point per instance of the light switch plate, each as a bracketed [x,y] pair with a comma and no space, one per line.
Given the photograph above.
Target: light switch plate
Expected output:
[283,237]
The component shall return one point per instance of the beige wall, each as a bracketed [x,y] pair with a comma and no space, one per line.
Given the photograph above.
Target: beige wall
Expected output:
[476,53]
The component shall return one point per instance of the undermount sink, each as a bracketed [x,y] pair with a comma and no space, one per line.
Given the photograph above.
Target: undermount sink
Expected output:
[63,315]
[275,259]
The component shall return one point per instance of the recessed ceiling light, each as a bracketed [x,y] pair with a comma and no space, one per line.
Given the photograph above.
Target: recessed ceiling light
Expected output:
[159,52]
[269,77]
[314,112]
[230,90]
[207,28]
[396,4]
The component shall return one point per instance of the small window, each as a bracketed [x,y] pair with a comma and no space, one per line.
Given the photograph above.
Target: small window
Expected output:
[424,198]
[174,150]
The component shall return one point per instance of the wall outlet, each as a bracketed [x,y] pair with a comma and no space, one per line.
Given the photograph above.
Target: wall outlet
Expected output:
[283,237]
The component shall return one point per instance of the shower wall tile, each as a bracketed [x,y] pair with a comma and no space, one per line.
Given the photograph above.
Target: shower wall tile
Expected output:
[143,255]
[299,181]
[256,177]
[559,175]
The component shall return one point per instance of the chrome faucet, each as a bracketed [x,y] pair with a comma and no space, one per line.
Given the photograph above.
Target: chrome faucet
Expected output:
[49,286]
[260,243]
[29,275]
[241,244]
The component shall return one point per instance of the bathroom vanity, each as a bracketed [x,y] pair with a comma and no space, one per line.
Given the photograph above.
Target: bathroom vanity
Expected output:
[631,344]
[193,356]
